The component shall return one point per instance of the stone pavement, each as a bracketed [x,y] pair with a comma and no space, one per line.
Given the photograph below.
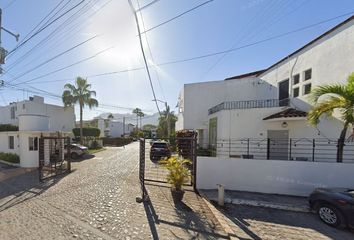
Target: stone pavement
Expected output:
[97,201]
[270,224]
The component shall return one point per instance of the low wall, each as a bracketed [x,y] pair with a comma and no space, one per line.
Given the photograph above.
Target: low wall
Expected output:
[272,176]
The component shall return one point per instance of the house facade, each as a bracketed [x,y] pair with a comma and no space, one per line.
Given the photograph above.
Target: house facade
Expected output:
[114,128]
[270,103]
[35,119]
[60,118]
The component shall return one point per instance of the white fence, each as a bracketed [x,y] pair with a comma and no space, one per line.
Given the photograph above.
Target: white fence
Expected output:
[272,176]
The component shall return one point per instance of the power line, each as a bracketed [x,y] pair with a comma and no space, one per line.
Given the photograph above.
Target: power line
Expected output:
[43,28]
[9,4]
[178,16]
[152,57]
[52,58]
[147,5]
[62,26]
[207,55]
[66,67]
[143,52]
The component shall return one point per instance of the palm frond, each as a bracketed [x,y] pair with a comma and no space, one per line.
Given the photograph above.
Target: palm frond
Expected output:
[326,107]
[329,90]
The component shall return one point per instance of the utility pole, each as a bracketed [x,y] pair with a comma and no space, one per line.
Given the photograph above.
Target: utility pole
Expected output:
[3,51]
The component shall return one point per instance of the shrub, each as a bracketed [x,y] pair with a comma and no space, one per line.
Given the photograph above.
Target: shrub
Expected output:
[8,128]
[87,132]
[118,142]
[10,157]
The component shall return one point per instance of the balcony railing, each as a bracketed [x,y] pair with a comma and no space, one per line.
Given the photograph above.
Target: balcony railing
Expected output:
[267,103]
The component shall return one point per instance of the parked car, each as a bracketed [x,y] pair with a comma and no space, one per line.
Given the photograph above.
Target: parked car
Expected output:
[334,206]
[76,150]
[159,149]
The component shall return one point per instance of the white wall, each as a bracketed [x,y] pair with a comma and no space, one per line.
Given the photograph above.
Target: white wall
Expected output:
[115,128]
[331,60]
[4,142]
[28,159]
[60,118]
[272,176]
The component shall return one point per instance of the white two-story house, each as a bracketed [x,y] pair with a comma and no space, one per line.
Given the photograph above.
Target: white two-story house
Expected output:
[271,103]
[35,119]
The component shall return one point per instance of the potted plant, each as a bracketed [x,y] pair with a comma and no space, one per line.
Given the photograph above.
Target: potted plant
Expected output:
[177,176]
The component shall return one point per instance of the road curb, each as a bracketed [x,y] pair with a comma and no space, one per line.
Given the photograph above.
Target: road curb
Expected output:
[10,164]
[220,218]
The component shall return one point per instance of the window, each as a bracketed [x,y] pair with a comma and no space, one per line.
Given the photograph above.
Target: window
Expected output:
[11,142]
[307,88]
[296,92]
[308,74]
[33,143]
[13,109]
[23,106]
[296,79]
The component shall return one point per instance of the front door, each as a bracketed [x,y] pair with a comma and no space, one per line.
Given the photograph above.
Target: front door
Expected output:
[284,93]
[278,144]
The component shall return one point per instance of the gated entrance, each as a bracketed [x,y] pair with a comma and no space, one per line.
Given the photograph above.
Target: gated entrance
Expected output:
[54,156]
[149,168]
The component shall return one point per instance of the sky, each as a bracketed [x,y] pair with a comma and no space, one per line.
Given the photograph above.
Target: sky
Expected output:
[112,50]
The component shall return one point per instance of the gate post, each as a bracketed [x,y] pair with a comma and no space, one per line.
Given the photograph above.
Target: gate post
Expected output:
[194,160]
[142,167]
[41,158]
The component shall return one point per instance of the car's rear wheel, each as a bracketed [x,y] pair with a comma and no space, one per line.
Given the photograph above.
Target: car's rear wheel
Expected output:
[330,215]
[74,155]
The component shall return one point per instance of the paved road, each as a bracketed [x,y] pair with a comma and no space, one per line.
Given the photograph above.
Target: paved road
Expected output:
[263,223]
[97,201]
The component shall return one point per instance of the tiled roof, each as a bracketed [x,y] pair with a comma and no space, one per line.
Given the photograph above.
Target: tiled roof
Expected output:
[287,113]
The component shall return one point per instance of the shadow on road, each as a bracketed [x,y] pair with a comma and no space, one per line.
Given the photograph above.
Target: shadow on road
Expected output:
[187,218]
[20,188]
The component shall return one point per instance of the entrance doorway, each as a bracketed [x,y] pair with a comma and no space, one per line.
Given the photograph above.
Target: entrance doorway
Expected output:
[278,144]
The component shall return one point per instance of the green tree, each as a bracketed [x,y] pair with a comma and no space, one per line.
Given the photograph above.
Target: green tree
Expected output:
[137,112]
[110,116]
[140,115]
[81,94]
[167,122]
[332,97]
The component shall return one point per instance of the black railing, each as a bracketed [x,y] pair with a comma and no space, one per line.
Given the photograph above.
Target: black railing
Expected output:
[267,103]
[293,149]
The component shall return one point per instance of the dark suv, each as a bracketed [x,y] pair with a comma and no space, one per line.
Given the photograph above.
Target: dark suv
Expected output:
[159,150]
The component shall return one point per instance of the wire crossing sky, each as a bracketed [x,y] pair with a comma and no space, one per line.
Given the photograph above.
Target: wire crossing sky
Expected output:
[185,41]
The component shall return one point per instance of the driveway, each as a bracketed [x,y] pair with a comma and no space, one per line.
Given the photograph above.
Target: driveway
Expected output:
[265,223]
[98,201]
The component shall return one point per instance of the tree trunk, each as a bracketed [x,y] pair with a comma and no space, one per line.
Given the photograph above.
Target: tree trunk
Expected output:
[168,126]
[81,134]
[137,122]
[341,140]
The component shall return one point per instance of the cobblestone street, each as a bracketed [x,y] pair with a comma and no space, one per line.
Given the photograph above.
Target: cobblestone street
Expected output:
[97,201]
[265,223]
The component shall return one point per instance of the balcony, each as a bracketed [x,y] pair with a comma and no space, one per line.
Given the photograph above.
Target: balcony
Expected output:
[267,103]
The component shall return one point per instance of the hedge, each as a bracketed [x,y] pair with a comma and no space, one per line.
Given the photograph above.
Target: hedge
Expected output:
[118,142]
[10,157]
[8,128]
[87,132]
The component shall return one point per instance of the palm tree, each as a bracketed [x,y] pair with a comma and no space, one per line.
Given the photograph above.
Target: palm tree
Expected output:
[81,94]
[332,97]
[141,114]
[110,116]
[137,112]
[166,119]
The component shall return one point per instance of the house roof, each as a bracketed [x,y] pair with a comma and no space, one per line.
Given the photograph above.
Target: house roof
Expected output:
[257,73]
[287,113]
[250,74]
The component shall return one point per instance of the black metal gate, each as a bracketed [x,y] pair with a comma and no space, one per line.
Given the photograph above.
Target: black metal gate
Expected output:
[54,156]
[150,170]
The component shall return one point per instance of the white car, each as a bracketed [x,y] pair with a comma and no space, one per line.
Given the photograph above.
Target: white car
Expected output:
[76,150]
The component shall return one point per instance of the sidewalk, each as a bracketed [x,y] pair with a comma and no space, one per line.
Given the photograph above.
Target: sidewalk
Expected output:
[190,219]
[282,202]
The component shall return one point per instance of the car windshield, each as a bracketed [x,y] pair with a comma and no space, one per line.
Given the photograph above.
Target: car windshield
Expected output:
[160,145]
